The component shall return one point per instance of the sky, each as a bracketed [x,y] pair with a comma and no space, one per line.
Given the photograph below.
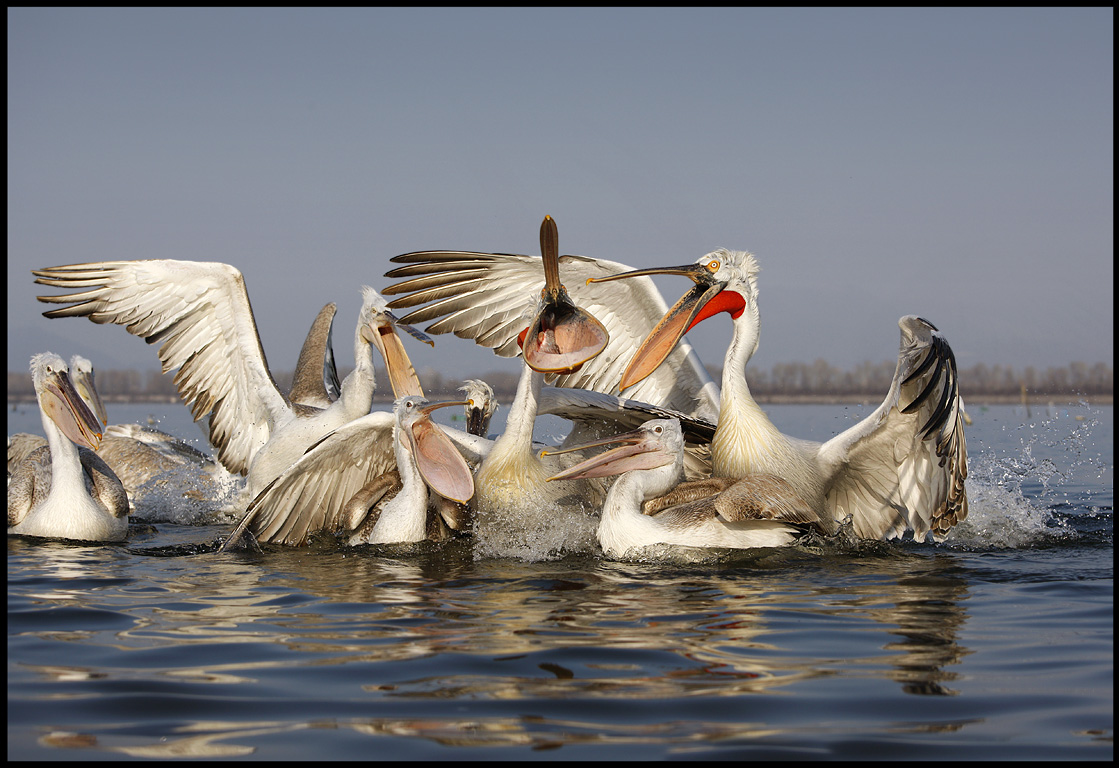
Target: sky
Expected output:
[952,163]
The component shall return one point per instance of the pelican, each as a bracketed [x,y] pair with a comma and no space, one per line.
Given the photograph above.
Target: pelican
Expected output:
[84,379]
[351,472]
[21,444]
[139,455]
[65,490]
[158,470]
[318,492]
[516,511]
[901,467]
[485,297]
[481,406]
[357,497]
[200,313]
[336,483]
[757,511]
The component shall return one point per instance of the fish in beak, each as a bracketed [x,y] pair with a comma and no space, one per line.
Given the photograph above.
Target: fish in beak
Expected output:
[439,462]
[61,402]
[561,337]
[706,299]
[640,449]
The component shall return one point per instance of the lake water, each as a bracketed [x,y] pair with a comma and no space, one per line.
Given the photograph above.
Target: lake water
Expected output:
[996,644]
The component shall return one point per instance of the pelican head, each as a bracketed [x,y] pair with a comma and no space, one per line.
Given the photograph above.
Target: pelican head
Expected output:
[481,404]
[438,461]
[656,443]
[59,400]
[379,327]
[81,373]
[725,281]
[561,337]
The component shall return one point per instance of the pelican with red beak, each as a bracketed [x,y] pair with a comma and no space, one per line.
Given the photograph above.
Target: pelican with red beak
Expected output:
[903,467]
[758,511]
[63,489]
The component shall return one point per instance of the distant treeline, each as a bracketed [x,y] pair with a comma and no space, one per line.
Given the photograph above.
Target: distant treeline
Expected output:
[784,381]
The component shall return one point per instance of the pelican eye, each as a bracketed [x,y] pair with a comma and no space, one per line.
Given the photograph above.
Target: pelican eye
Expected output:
[713,266]
[658,430]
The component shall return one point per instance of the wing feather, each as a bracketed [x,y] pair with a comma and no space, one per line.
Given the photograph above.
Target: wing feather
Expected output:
[310,496]
[199,314]
[906,463]
[489,298]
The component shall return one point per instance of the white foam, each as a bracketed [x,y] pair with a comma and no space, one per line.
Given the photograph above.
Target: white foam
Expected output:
[1012,495]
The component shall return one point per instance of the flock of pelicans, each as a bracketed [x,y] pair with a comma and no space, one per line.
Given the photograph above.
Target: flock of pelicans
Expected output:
[686,462]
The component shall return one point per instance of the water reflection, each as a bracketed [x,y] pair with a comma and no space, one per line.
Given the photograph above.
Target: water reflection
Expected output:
[429,625]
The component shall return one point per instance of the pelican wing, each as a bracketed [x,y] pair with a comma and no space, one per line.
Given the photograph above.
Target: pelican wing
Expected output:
[687,492]
[767,497]
[595,415]
[490,297]
[906,463]
[200,315]
[20,446]
[311,495]
[159,441]
[103,483]
[586,407]
[29,483]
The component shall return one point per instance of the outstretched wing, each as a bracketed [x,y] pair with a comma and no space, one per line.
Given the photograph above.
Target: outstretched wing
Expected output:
[489,297]
[310,496]
[200,315]
[906,463]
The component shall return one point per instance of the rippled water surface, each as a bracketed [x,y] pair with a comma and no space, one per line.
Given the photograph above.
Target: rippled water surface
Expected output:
[996,644]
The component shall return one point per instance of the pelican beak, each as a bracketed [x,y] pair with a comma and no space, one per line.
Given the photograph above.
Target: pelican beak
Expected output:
[382,334]
[442,466]
[87,389]
[562,337]
[475,418]
[697,304]
[638,450]
[61,402]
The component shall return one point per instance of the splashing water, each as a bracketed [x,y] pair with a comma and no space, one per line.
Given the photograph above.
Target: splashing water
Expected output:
[189,498]
[1023,498]
[548,531]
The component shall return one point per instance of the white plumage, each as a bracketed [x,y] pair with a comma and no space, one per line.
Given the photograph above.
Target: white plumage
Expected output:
[64,489]
[200,315]
[487,296]
[757,511]
[326,489]
[902,467]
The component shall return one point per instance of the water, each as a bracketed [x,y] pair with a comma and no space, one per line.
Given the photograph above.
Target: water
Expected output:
[996,644]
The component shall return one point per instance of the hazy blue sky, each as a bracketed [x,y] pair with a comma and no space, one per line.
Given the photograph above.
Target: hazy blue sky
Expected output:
[955,163]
